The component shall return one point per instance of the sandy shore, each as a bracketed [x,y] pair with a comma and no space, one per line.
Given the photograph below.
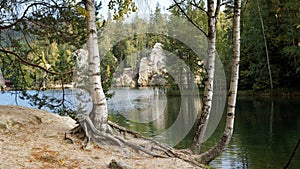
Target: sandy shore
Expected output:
[31,138]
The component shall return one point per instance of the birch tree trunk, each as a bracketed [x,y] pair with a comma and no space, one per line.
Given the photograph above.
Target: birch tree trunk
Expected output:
[208,90]
[99,113]
[2,81]
[211,154]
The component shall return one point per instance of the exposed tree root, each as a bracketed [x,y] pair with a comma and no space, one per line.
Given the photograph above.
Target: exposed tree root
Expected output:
[124,130]
[138,142]
[185,155]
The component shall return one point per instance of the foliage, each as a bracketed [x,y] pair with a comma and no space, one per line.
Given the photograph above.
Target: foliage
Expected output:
[45,33]
[42,33]
[121,8]
[281,20]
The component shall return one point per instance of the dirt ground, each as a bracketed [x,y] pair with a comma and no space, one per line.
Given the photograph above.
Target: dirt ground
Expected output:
[31,138]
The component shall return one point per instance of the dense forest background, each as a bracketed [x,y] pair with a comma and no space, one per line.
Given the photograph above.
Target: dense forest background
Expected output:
[270,43]
[40,42]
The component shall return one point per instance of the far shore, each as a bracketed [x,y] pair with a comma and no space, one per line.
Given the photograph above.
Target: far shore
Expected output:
[282,92]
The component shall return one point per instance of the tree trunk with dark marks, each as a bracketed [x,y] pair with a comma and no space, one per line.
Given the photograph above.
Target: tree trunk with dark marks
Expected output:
[215,151]
[99,113]
[210,68]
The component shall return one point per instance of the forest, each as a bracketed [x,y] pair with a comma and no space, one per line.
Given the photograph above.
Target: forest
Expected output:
[60,44]
[269,44]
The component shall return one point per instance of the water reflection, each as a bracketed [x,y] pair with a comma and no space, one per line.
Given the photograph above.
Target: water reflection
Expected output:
[266,132]
[138,105]
[183,123]
[266,129]
[171,118]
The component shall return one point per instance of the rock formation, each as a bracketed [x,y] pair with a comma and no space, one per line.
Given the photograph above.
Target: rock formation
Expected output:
[125,77]
[150,71]
[152,68]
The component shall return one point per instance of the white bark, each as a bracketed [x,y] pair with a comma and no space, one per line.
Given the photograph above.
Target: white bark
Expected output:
[2,82]
[234,70]
[226,137]
[99,113]
[210,68]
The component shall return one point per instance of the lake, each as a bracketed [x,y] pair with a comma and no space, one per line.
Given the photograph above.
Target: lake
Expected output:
[266,129]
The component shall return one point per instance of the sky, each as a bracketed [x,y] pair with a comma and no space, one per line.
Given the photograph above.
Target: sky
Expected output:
[164,4]
[142,6]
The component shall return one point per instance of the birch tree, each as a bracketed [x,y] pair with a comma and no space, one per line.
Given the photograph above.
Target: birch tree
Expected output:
[99,112]
[226,137]
[212,17]
[2,82]
[96,124]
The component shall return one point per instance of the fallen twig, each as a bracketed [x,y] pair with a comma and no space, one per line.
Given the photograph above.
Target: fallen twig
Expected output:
[292,155]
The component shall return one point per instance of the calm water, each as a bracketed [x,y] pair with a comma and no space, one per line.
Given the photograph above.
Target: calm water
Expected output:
[266,129]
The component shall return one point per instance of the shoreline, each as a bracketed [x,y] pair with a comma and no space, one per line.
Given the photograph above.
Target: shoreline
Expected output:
[270,93]
[281,92]
[32,138]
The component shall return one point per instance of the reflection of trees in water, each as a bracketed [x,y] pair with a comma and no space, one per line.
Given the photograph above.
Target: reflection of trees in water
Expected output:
[217,110]
[143,106]
[268,129]
[159,112]
[179,119]
[169,118]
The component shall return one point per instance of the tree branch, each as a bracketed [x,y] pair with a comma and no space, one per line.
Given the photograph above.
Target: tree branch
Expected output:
[191,20]
[23,16]
[32,64]
[217,8]
[172,6]
[198,6]
[292,155]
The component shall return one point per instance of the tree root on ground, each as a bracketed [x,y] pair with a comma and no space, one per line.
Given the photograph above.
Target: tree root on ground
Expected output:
[88,131]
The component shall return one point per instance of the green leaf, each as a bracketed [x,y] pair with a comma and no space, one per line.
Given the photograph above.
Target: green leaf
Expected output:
[83,11]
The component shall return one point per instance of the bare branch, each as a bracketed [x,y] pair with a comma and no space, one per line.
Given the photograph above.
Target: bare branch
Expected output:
[197,5]
[32,64]
[174,5]
[217,8]
[190,19]
[292,155]
[23,16]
